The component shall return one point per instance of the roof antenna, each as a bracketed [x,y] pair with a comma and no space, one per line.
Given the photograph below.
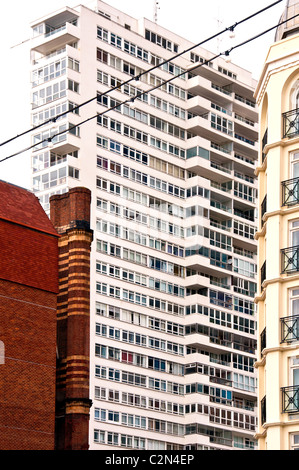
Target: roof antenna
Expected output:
[156,8]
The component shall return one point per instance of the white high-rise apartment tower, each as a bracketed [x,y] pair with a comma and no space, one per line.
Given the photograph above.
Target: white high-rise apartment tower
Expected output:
[173,277]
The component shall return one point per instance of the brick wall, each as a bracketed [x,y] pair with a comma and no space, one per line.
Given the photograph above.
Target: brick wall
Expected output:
[28,300]
[27,377]
[28,256]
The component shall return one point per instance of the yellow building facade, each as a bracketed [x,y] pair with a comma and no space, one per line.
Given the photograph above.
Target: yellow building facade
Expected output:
[277,300]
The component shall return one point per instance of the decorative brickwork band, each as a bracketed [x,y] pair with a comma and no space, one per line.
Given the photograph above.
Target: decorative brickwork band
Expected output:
[70,215]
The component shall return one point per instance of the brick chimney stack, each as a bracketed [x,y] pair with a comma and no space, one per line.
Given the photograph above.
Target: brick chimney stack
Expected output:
[70,215]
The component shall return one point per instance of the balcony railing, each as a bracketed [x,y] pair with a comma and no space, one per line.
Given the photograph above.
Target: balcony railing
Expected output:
[290,260]
[291,123]
[244,139]
[290,399]
[290,329]
[290,192]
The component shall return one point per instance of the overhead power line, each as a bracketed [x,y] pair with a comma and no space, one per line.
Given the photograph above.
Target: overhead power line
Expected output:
[131,99]
[75,108]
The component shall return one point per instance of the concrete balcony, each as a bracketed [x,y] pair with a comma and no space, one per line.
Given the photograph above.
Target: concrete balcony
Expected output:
[205,127]
[245,200]
[56,39]
[244,145]
[201,263]
[198,105]
[246,127]
[211,358]
[201,86]
[220,203]
[197,280]
[68,144]
[207,161]
[205,340]
[197,340]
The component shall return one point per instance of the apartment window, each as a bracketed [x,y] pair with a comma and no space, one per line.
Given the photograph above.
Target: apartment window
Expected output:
[221,124]
[73,107]
[160,41]
[244,287]
[294,441]
[112,438]
[100,393]
[244,230]
[49,113]
[243,363]
[48,94]
[294,96]
[38,30]
[294,372]
[102,77]
[294,233]
[294,302]
[243,306]
[73,86]
[294,165]
[102,56]
[113,416]
[290,322]
[74,172]
[115,62]
[102,34]
[99,436]
[227,72]
[290,394]
[245,267]
[49,72]
[290,255]
[244,382]
[74,130]
[115,40]
[73,64]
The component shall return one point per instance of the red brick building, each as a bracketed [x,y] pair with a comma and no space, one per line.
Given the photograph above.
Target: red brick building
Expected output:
[28,299]
[44,320]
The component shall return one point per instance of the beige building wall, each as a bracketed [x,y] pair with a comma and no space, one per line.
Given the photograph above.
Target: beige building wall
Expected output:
[278,348]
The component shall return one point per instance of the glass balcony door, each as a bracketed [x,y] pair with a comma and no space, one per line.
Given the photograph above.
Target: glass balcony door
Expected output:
[295,176]
[295,314]
[295,244]
[295,234]
[295,382]
[290,324]
[290,187]
[295,165]
[296,377]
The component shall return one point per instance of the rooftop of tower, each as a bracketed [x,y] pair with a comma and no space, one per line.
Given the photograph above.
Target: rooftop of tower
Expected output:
[291,27]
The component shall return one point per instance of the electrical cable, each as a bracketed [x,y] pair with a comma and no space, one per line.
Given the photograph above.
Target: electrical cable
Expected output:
[226,53]
[137,77]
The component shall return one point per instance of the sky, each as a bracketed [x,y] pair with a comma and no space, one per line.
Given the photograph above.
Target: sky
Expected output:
[195,20]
